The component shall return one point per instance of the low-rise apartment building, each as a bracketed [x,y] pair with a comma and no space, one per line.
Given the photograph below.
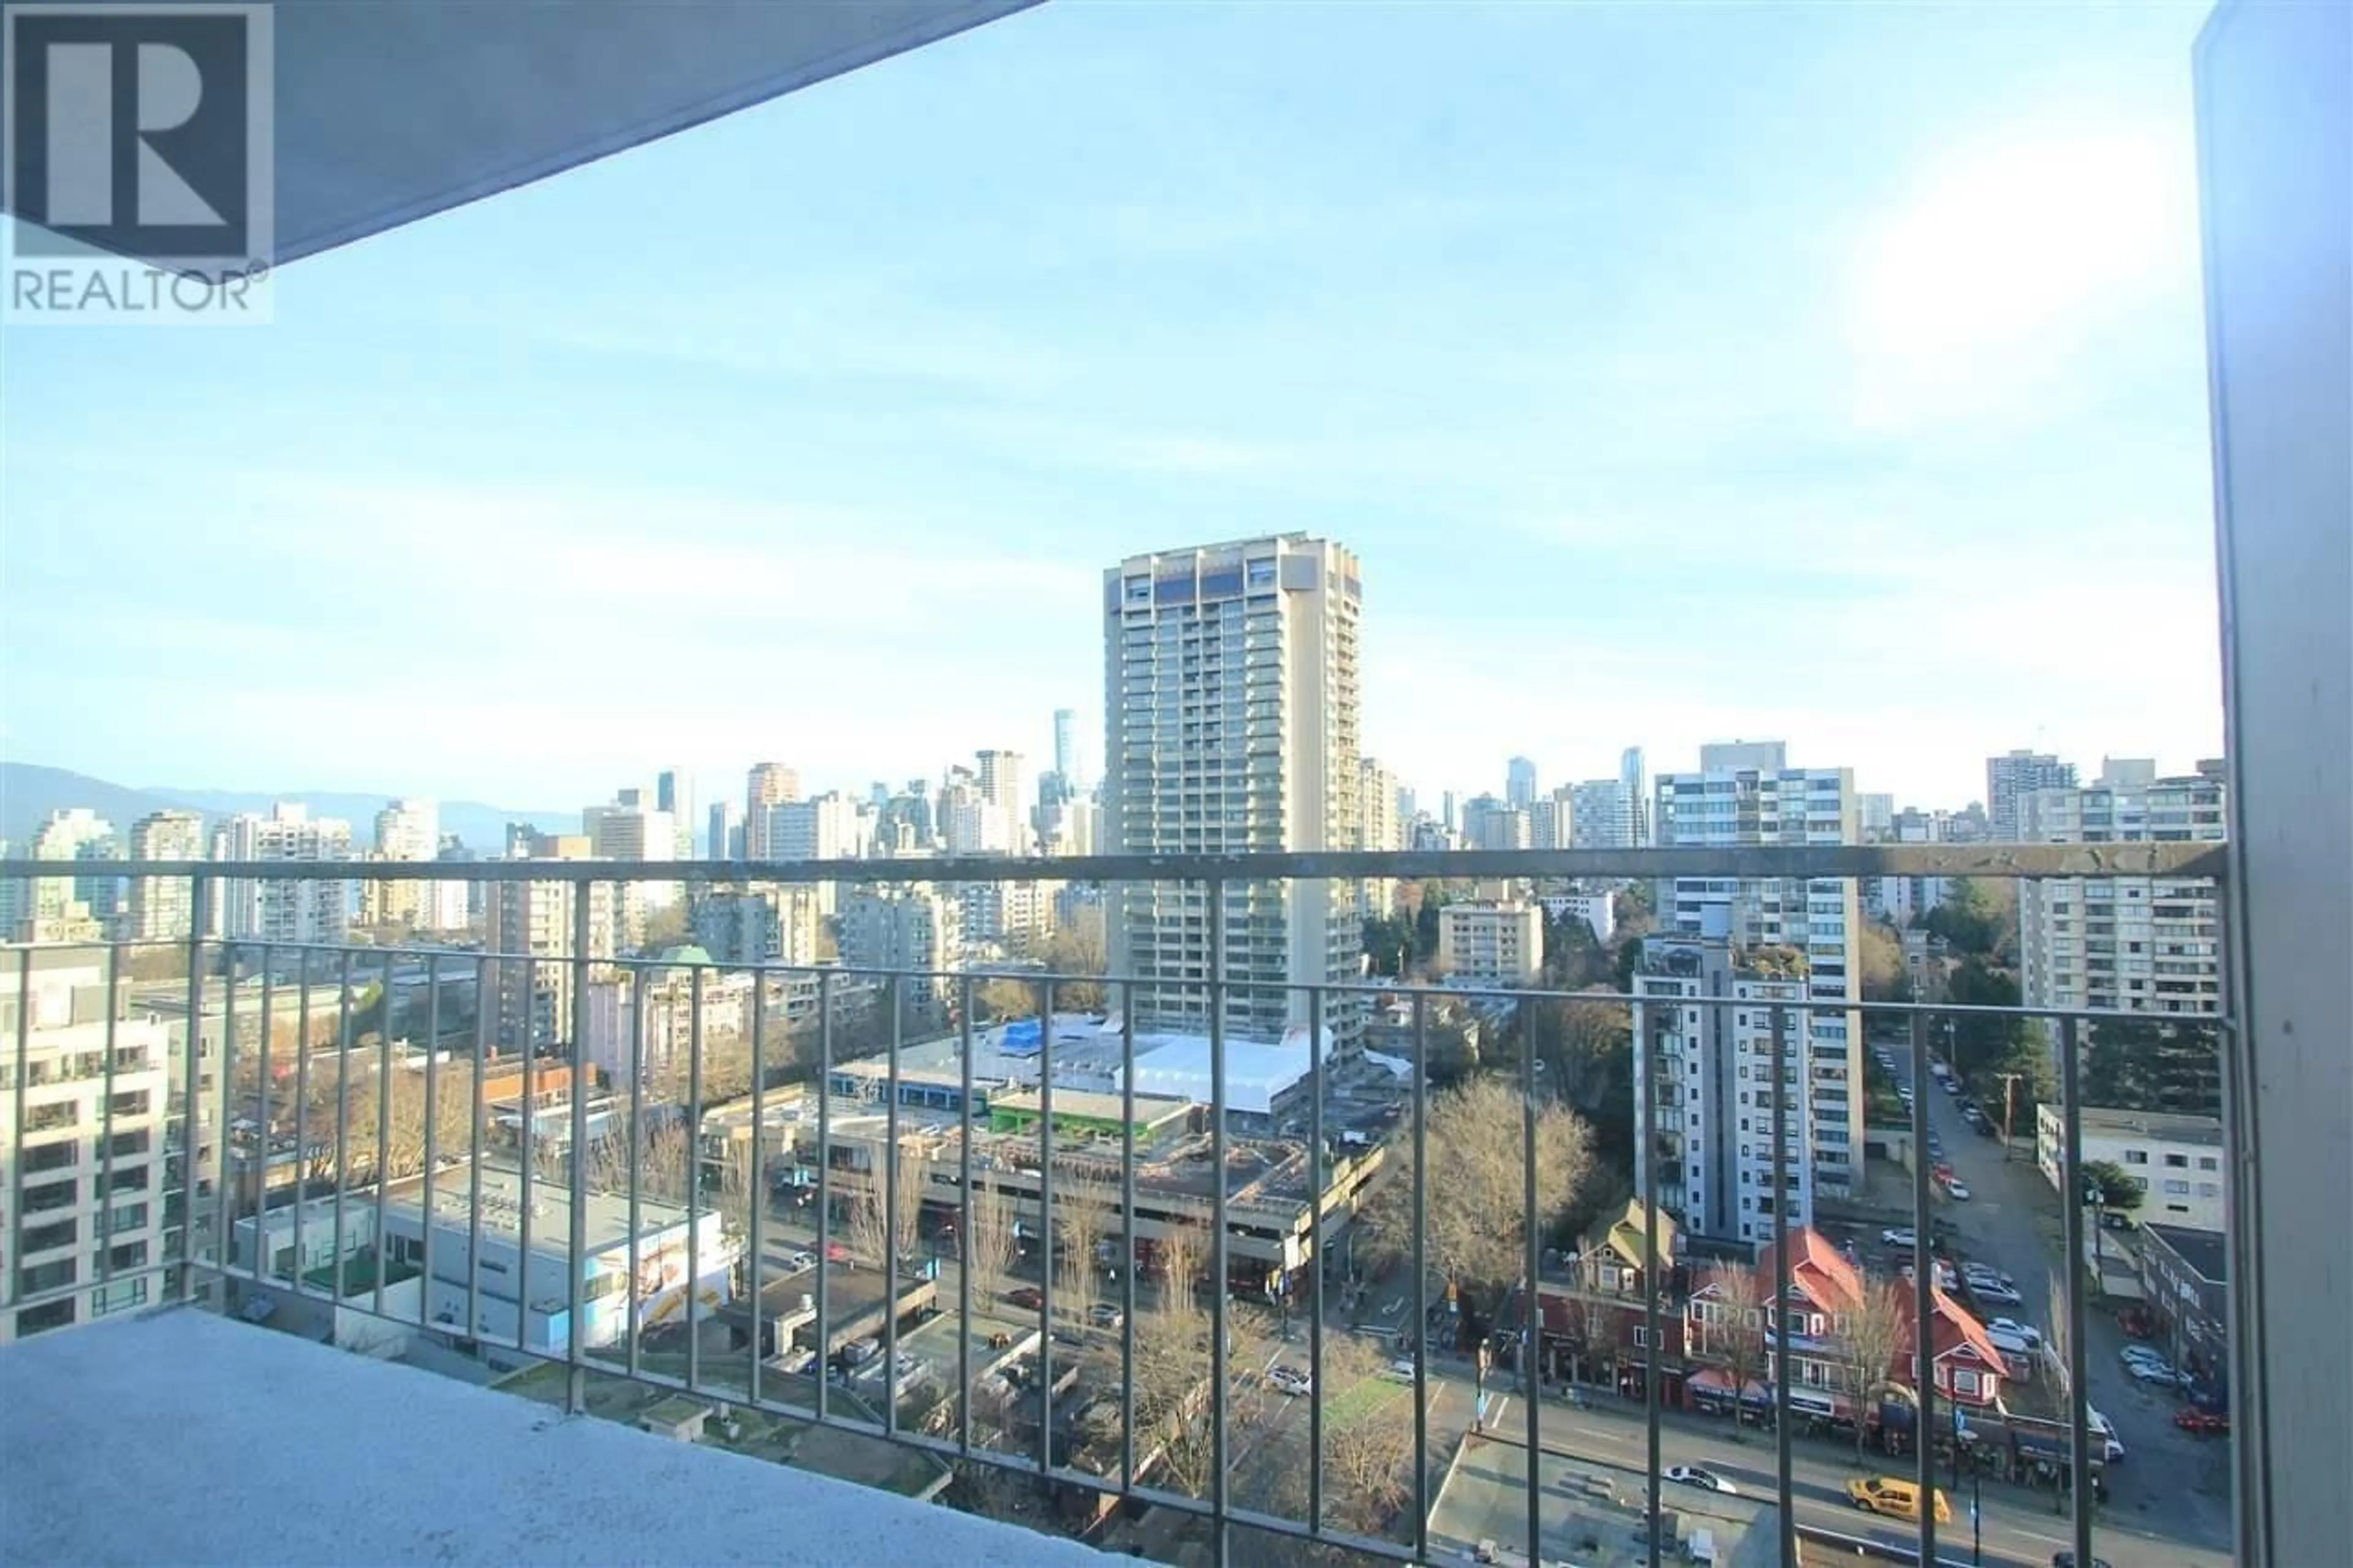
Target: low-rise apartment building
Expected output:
[85,1193]
[2176,1160]
[1491,942]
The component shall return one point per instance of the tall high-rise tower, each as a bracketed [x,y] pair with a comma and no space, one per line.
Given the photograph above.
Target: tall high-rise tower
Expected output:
[768,783]
[2010,778]
[674,793]
[1520,783]
[1230,713]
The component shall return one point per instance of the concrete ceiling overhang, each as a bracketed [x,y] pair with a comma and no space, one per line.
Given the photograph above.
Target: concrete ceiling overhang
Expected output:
[391,111]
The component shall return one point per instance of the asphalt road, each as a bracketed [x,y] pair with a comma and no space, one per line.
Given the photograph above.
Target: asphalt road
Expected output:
[2170,1484]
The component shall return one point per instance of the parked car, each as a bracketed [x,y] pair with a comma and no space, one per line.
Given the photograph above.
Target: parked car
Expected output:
[799,1262]
[1707,1480]
[1401,1370]
[2157,1375]
[1958,1190]
[1103,1315]
[1290,1379]
[1898,1236]
[2134,1354]
[1994,1293]
[2027,1331]
[1029,1298]
[2214,1422]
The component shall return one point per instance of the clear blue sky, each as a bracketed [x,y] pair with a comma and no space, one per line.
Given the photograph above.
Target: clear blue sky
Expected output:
[1829,372]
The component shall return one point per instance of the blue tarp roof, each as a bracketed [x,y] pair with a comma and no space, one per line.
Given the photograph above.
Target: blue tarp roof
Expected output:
[1024,1038]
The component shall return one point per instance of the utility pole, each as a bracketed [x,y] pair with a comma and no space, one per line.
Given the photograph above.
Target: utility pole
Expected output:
[2008,1100]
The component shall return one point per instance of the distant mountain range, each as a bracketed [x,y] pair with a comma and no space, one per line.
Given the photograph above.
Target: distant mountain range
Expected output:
[29,793]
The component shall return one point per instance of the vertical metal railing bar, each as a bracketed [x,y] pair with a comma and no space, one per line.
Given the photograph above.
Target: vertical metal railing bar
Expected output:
[527,1149]
[1420,1275]
[824,1184]
[302,1113]
[2079,1456]
[343,1122]
[635,1191]
[1220,1375]
[105,1222]
[893,1242]
[266,1091]
[222,1252]
[1316,1259]
[576,1367]
[1046,1226]
[1778,1319]
[383,1160]
[475,1135]
[1924,1296]
[1127,1240]
[692,1150]
[200,887]
[1531,1331]
[432,1118]
[22,1093]
[756,1179]
[966,1246]
[1655,1351]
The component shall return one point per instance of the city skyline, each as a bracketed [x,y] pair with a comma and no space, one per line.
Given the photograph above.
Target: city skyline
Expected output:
[1606,369]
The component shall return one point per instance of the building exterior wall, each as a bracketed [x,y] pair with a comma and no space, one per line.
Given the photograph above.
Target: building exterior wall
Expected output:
[1232,709]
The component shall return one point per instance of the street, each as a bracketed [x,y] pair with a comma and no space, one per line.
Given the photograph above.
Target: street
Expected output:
[2170,1484]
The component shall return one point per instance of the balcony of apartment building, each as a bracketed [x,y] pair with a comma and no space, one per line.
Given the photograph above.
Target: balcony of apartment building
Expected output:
[336,1416]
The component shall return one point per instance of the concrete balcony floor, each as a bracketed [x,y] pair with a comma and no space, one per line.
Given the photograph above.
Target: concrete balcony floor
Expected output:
[180,1436]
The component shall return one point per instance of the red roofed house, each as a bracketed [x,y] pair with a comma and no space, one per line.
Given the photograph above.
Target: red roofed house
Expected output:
[1826,1289]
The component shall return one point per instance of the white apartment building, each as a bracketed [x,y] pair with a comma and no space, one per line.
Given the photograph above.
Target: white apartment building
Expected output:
[767,784]
[662,1004]
[1010,919]
[2176,1160]
[1600,815]
[1231,676]
[1552,819]
[90,1174]
[64,907]
[830,826]
[1597,910]
[533,921]
[914,927]
[1000,786]
[2015,775]
[1378,827]
[1704,1088]
[162,908]
[1746,793]
[765,923]
[318,911]
[1491,942]
[2140,945]
[1492,824]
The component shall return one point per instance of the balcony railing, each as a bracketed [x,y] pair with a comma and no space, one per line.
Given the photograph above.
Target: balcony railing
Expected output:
[377,1160]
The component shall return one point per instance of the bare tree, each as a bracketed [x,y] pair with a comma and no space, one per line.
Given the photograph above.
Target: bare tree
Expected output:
[1078,949]
[989,1244]
[741,1192]
[1004,997]
[1873,1334]
[865,1222]
[1085,1213]
[1367,1458]
[1173,1392]
[1601,1333]
[1478,1207]
[1733,1328]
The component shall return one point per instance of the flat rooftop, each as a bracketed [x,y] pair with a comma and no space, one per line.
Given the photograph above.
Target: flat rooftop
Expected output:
[2165,1126]
[250,1445]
